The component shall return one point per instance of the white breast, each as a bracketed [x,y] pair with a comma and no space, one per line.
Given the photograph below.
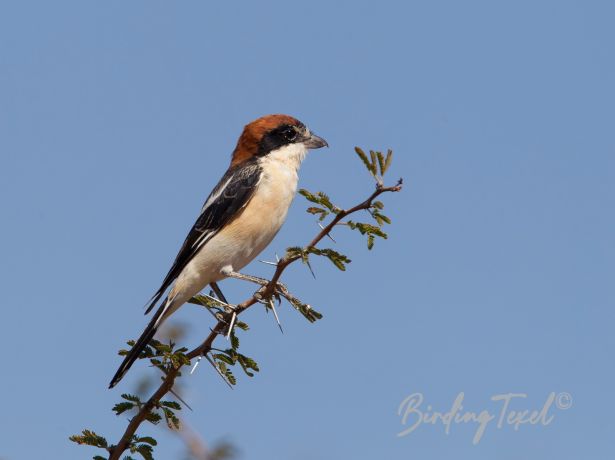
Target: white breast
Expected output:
[245,237]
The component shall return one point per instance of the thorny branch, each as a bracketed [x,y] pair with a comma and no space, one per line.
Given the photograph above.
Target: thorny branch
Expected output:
[272,287]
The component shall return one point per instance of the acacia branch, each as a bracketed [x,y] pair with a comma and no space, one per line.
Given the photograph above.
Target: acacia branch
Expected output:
[265,293]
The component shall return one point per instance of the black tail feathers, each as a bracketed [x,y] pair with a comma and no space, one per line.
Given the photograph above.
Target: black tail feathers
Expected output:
[133,354]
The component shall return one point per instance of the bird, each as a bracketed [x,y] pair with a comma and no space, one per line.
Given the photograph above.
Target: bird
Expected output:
[239,218]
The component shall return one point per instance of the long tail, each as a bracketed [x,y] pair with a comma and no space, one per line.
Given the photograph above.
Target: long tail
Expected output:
[148,334]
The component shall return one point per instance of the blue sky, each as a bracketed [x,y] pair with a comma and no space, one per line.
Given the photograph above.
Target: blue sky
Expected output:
[119,117]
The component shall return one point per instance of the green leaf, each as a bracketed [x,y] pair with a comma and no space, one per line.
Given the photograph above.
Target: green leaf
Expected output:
[153,417]
[163,348]
[171,419]
[241,325]
[380,218]
[123,352]
[171,404]
[305,257]
[306,310]
[146,451]
[250,363]
[366,228]
[89,438]
[294,252]
[319,198]
[224,358]
[246,371]
[370,230]
[208,302]
[234,341]
[385,218]
[374,167]
[133,398]
[325,201]
[380,162]
[388,160]
[322,213]
[230,377]
[308,195]
[122,407]
[339,260]
[180,359]
[364,159]
[147,439]
[246,364]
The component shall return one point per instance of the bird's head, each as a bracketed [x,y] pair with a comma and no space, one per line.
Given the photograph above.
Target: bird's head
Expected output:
[279,136]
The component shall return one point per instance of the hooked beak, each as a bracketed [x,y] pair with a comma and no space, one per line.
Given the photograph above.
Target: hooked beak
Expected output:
[315,142]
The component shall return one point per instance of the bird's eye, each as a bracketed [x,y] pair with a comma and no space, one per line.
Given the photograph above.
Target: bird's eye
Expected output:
[289,134]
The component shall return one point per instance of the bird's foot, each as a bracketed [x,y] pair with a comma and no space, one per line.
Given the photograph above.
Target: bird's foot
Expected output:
[265,294]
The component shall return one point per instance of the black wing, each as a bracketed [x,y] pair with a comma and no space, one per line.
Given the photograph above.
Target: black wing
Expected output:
[228,197]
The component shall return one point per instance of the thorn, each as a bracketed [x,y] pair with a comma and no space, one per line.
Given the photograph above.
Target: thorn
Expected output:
[268,263]
[218,371]
[180,398]
[275,313]
[275,264]
[196,364]
[310,267]
[322,228]
[230,328]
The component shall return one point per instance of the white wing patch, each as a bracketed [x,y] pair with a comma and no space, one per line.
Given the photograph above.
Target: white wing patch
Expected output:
[202,239]
[215,195]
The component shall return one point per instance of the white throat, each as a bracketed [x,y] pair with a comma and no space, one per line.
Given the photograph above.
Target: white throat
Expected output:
[290,156]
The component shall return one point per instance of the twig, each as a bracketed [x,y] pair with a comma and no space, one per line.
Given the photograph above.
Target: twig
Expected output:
[267,292]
